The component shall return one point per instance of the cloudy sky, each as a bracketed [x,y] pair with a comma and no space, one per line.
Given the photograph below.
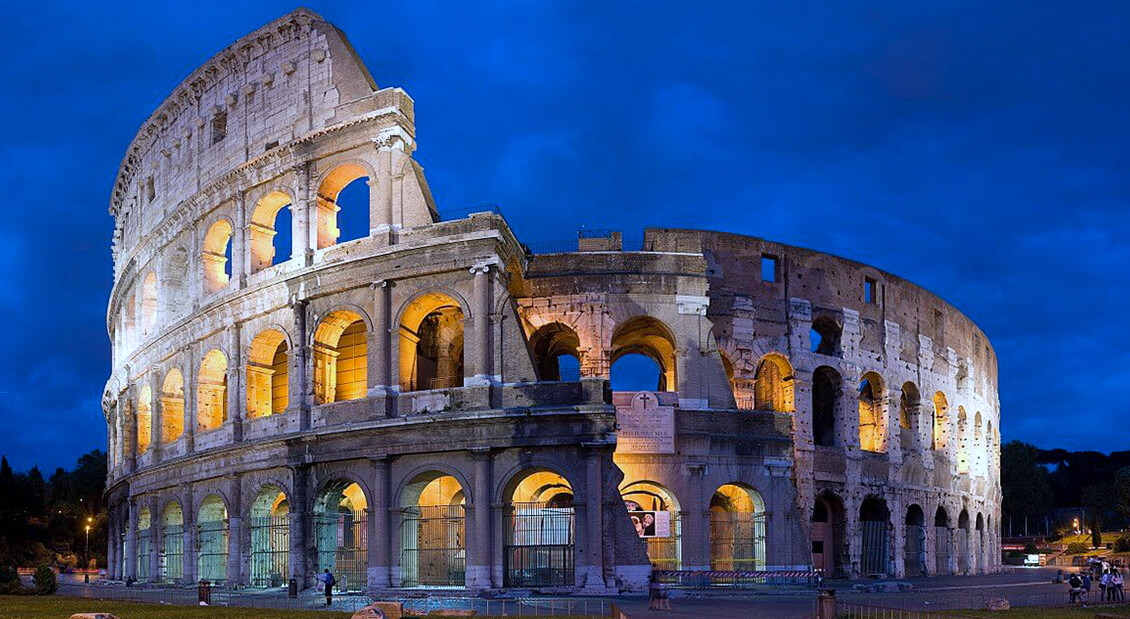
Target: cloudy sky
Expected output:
[978,149]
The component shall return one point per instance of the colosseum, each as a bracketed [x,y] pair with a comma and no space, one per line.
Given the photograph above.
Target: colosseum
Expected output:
[428,403]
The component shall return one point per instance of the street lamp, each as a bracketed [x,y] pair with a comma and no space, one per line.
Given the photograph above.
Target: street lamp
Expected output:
[86,555]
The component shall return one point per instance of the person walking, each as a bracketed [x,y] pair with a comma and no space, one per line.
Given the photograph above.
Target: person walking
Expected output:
[1104,586]
[1086,587]
[1116,582]
[652,593]
[329,581]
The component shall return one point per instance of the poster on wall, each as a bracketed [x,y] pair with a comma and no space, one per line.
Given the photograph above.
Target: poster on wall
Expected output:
[649,522]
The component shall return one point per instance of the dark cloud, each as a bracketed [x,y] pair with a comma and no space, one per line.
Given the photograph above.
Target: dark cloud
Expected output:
[977,149]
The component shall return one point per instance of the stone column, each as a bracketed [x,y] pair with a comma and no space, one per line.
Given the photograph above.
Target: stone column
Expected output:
[479,542]
[478,371]
[380,541]
[300,387]
[156,414]
[237,398]
[235,531]
[855,541]
[297,517]
[154,539]
[302,223]
[240,257]
[897,521]
[131,540]
[592,544]
[696,520]
[380,193]
[111,542]
[380,349]
[188,510]
[189,376]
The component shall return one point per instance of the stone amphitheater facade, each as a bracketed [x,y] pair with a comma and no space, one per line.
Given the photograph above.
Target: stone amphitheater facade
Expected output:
[430,405]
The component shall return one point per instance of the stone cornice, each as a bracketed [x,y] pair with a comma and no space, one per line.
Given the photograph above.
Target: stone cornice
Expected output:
[294,25]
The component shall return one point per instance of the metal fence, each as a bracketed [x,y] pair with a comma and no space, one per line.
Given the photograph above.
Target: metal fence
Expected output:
[463,213]
[736,579]
[540,545]
[270,551]
[915,550]
[855,610]
[737,541]
[172,553]
[433,546]
[874,557]
[212,551]
[665,553]
[143,544]
[342,548]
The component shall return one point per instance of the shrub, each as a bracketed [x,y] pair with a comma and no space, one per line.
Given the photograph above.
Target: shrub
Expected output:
[1122,544]
[1030,549]
[8,574]
[1077,548]
[44,580]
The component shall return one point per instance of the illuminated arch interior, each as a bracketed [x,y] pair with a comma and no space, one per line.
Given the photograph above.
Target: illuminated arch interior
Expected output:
[267,374]
[431,343]
[211,391]
[341,358]
[172,406]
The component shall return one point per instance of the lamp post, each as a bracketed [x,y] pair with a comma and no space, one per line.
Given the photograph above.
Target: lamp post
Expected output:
[86,554]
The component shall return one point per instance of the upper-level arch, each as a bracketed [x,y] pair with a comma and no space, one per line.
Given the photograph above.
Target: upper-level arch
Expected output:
[647,336]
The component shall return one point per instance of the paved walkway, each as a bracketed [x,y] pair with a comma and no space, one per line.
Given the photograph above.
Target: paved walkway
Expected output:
[1022,587]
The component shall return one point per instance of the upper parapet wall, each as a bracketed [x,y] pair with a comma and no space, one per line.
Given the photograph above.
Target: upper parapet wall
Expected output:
[295,75]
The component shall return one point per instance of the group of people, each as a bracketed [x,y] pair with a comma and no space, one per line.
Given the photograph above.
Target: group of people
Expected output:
[658,597]
[1110,585]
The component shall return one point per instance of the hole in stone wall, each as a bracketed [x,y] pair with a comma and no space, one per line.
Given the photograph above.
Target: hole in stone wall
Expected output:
[635,372]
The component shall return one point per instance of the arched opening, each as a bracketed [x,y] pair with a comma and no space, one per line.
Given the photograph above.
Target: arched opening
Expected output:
[737,529]
[825,336]
[270,537]
[826,397]
[978,444]
[656,516]
[341,358]
[963,542]
[172,406]
[212,391]
[941,542]
[433,532]
[915,558]
[129,320]
[270,218]
[555,347]
[773,384]
[212,540]
[981,553]
[874,522]
[172,543]
[647,337]
[910,404]
[267,375]
[539,538]
[343,205]
[829,545]
[216,256]
[144,419]
[149,303]
[872,429]
[340,514]
[144,539]
[431,343]
[941,421]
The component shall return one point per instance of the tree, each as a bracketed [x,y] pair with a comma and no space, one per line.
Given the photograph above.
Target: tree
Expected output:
[1122,492]
[1097,499]
[1024,482]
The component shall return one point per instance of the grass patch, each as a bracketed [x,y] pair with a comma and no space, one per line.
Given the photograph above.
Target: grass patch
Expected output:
[59,607]
[1046,613]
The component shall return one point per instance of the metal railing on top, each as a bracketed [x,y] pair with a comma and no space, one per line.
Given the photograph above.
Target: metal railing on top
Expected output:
[463,213]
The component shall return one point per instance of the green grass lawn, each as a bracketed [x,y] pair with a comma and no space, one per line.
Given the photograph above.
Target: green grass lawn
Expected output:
[59,607]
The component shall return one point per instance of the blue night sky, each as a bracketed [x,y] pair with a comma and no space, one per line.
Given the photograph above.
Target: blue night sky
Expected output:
[977,149]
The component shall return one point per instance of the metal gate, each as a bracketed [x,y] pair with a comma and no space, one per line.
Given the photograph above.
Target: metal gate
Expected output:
[342,548]
[212,548]
[270,551]
[539,548]
[433,543]
[665,553]
[737,541]
[941,551]
[963,550]
[172,553]
[874,559]
[915,550]
[143,555]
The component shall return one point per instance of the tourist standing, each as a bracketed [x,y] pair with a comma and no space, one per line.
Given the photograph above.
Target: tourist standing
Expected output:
[1104,586]
[1075,587]
[330,581]
[1116,582]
